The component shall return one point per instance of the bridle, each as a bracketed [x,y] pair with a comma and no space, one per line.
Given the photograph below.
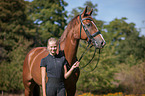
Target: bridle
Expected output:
[91,39]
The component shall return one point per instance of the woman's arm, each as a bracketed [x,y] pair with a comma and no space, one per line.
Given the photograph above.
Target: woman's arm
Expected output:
[68,73]
[43,74]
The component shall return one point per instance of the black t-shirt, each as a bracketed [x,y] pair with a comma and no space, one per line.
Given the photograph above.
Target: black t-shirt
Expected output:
[54,65]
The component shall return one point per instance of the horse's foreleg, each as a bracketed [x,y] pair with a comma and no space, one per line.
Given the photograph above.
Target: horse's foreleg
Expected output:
[28,89]
[32,89]
[28,84]
[36,90]
[70,83]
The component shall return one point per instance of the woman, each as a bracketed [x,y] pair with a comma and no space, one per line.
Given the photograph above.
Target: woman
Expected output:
[55,66]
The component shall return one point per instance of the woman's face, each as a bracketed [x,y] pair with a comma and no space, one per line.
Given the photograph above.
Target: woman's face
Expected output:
[52,47]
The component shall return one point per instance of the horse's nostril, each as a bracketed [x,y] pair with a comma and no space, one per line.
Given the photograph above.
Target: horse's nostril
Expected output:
[101,43]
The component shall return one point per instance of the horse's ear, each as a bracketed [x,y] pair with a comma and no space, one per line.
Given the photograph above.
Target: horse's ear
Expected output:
[90,13]
[85,11]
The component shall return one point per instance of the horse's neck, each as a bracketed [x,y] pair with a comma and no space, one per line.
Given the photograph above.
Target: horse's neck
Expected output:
[70,43]
[70,46]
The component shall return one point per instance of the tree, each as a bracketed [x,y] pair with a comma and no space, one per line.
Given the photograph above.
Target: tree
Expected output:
[125,37]
[128,51]
[132,47]
[15,40]
[49,18]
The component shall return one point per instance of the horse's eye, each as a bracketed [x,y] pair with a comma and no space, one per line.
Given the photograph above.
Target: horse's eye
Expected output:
[88,25]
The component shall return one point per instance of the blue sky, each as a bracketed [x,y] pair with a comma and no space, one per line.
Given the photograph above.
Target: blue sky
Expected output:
[108,10]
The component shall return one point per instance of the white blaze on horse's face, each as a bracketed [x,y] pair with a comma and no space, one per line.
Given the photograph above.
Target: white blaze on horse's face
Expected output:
[99,41]
[99,38]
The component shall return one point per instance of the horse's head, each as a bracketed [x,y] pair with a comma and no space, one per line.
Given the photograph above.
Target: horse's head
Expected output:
[89,31]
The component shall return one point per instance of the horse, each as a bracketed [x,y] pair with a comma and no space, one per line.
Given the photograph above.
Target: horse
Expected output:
[80,27]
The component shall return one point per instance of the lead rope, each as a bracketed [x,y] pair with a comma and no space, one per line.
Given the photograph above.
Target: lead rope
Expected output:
[90,60]
[95,65]
[87,48]
[97,61]
[84,52]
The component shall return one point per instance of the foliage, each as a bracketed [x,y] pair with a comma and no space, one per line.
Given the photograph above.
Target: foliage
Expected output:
[11,72]
[14,41]
[126,39]
[133,46]
[49,18]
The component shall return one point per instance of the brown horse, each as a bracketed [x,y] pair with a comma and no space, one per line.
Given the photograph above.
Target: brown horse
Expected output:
[80,27]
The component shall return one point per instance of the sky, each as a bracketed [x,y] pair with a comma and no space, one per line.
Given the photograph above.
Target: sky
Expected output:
[108,10]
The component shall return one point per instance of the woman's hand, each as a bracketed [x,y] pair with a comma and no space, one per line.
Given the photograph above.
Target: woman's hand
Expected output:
[68,73]
[76,64]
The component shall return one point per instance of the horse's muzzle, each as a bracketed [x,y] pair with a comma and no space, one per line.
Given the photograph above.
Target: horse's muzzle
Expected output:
[99,45]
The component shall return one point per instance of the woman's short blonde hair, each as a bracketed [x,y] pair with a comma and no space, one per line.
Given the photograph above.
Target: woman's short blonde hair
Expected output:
[51,40]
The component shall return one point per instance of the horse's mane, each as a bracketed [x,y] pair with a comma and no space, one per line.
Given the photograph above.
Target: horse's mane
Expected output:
[71,24]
